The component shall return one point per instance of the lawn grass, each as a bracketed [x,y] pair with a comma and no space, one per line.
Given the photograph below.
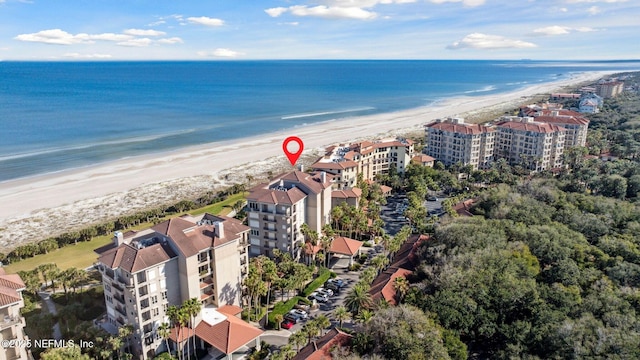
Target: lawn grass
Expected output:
[82,255]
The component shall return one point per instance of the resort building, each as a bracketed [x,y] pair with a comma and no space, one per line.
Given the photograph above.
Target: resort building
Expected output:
[277,210]
[368,158]
[424,160]
[575,124]
[203,257]
[452,141]
[610,88]
[536,145]
[11,321]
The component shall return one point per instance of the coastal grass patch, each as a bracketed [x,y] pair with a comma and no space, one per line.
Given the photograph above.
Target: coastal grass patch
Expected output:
[81,255]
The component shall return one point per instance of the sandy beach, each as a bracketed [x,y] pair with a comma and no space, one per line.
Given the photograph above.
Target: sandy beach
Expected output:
[38,207]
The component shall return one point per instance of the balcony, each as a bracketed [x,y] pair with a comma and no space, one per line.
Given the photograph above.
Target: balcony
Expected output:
[117,286]
[206,294]
[119,298]
[121,310]
[243,261]
[269,218]
[206,283]
[121,321]
[9,321]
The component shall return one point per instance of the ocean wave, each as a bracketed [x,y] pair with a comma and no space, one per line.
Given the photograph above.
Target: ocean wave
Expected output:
[131,140]
[306,115]
[484,89]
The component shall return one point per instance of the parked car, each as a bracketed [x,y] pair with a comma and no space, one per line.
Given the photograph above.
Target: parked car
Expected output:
[432,198]
[331,286]
[319,297]
[337,282]
[301,313]
[289,317]
[302,307]
[287,324]
[327,292]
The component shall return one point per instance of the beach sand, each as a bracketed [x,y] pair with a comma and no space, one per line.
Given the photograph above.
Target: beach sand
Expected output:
[39,207]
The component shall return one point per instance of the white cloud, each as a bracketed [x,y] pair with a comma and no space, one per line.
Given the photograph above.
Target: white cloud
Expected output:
[564,9]
[87,56]
[552,30]
[220,52]
[139,42]
[105,37]
[156,23]
[364,3]
[332,12]
[593,10]
[142,32]
[52,36]
[275,12]
[469,3]
[484,41]
[206,21]
[171,40]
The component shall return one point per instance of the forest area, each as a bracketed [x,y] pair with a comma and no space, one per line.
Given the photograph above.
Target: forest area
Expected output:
[548,268]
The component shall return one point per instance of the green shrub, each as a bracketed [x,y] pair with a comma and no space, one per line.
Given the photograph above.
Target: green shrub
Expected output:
[367,244]
[323,275]
[355,267]
[284,307]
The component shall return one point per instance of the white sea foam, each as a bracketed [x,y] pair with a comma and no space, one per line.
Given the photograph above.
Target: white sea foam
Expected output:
[123,141]
[484,89]
[299,116]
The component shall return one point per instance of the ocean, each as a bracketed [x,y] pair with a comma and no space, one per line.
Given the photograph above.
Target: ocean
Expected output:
[62,115]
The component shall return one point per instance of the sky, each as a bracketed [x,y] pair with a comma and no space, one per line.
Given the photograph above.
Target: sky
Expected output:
[319,29]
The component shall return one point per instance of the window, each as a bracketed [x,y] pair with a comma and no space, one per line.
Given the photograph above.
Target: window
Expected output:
[164,295]
[142,277]
[152,274]
[109,299]
[255,232]
[154,299]
[107,287]
[203,256]
[155,312]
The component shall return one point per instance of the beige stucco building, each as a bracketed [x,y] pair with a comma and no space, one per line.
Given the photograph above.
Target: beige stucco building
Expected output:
[523,141]
[451,141]
[368,158]
[11,321]
[277,210]
[203,257]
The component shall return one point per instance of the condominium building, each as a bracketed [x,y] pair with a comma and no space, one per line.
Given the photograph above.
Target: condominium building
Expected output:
[368,158]
[451,141]
[203,257]
[607,89]
[277,210]
[575,124]
[11,321]
[539,146]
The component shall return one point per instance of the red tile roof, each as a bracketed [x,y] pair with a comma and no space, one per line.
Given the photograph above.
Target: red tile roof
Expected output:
[346,193]
[230,310]
[321,349]
[330,165]
[133,260]
[463,207]
[184,332]
[382,286]
[228,335]
[535,127]
[10,287]
[423,159]
[274,196]
[470,129]
[344,245]
[562,119]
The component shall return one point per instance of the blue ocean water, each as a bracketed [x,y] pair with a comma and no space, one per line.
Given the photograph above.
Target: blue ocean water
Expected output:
[61,115]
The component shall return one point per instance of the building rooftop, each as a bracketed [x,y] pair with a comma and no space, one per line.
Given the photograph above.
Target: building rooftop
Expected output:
[422,158]
[563,119]
[346,193]
[344,245]
[538,127]
[225,331]
[321,349]
[467,129]
[341,156]
[133,259]
[10,285]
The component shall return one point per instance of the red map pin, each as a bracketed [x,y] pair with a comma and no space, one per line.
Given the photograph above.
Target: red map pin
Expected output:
[292,156]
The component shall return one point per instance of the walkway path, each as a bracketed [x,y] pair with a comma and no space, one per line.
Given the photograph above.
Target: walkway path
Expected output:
[51,308]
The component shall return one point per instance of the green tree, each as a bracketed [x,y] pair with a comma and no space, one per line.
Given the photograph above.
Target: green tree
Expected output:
[341,314]
[64,353]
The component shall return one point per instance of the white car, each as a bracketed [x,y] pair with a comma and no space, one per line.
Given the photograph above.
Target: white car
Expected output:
[329,292]
[319,297]
[299,313]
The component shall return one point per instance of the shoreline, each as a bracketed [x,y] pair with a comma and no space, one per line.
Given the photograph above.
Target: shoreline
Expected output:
[86,195]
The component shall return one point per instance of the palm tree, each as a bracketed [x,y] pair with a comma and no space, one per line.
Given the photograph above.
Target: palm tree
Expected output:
[45,269]
[279,318]
[358,299]
[192,308]
[323,322]
[124,333]
[178,320]
[311,329]
[341,314]
[287,352]
[164,330]
[401,286]
[364,316]
[298,339]
[379,262]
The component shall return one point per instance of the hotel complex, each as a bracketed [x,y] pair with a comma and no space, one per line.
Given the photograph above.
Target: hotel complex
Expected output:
[368,158]
[146,271]
[534,142]
[451,141]
[277,210]
[11,321]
